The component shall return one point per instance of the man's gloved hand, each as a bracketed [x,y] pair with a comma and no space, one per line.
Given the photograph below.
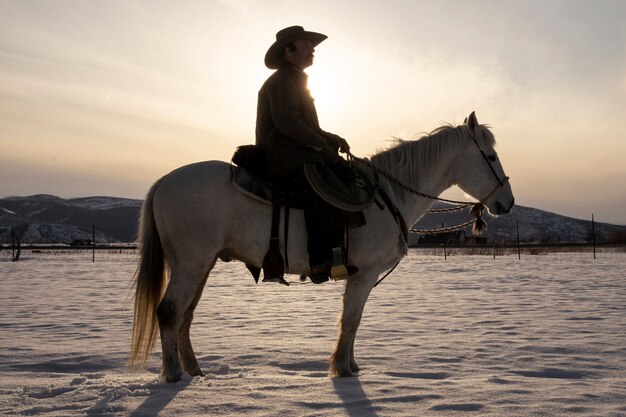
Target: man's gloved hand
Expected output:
[330,155]
[338,142]
[343,145]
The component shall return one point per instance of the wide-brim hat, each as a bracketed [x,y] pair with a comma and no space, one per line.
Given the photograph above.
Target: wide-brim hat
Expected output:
[273,57]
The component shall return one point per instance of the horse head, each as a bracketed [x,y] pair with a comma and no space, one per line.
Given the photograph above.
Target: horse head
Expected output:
[479,172]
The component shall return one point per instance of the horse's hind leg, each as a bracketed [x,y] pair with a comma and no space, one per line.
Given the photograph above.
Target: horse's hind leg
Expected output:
[342,362]
[186,353]
[180,294]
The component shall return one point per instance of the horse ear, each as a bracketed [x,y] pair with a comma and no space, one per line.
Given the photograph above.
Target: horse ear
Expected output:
[465,121]
[472,122]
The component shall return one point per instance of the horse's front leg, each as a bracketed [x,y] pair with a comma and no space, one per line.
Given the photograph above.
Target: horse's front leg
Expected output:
[353,366]
[358,288]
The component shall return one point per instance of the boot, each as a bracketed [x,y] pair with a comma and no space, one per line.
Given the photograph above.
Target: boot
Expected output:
[320,273]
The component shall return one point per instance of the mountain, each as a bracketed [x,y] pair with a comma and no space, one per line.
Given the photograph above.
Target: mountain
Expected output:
[46,218]
[50,219]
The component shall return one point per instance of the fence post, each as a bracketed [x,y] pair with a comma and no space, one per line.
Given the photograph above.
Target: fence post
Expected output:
[593,235]
[93,243]
[445,252]
[13,244]
[519,255]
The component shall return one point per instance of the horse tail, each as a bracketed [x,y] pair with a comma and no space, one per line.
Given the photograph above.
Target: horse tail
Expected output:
[149,281]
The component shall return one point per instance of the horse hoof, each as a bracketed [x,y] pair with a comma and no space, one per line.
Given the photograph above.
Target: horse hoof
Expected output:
[170,378]
[196,372]
[342,372]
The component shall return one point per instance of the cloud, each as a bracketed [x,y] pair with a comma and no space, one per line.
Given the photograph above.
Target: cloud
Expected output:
[170,83]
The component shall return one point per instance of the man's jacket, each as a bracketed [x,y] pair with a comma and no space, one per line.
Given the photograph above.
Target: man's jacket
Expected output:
[287,124]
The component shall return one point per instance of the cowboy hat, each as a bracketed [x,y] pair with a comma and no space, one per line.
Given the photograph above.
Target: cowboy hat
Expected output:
[273,57]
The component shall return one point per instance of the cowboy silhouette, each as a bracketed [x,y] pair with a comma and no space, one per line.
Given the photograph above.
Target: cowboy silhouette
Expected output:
[288,128]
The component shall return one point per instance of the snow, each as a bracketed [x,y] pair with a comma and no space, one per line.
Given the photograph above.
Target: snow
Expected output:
[103,203]
[470,335]
[60,233]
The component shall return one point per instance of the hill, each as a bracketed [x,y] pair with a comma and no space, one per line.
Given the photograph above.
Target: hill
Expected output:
[46,218]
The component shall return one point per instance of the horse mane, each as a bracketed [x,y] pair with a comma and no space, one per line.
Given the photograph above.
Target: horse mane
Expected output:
[405,157]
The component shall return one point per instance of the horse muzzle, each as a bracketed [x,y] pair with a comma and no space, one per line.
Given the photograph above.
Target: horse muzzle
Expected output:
[501,209]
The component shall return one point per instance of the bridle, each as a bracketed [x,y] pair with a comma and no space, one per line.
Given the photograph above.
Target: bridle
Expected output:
[501,181]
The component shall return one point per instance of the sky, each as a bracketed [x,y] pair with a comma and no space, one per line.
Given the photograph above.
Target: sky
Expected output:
[104,98]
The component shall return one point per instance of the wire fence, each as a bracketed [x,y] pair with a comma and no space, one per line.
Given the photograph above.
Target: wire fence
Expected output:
[60,238]
[95,241]
[106,252]
[524,249]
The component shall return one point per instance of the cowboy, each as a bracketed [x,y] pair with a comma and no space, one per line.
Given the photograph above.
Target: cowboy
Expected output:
[288,127]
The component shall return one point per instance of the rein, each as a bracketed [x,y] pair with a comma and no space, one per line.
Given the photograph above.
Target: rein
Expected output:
[400,184]
[477,207]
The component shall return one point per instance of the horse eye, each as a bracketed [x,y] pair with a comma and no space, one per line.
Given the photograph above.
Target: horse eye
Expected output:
[492,158]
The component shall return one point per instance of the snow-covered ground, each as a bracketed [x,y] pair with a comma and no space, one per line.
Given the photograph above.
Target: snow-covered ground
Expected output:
[544,336]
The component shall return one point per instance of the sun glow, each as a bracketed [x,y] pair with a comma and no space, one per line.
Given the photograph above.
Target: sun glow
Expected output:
[324,88]
[340,82]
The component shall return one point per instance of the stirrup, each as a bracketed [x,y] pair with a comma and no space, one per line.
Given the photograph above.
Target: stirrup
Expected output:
[338,270]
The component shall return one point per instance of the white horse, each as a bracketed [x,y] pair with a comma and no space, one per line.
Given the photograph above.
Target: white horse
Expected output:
[194,215]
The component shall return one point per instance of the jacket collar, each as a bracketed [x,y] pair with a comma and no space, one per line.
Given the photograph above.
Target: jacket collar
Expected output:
[291,67]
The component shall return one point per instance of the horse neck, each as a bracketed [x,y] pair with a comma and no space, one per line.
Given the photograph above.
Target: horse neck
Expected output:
[425,165]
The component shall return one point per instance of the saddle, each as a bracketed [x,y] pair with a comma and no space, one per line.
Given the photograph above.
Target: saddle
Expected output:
[251,176]
[345,188]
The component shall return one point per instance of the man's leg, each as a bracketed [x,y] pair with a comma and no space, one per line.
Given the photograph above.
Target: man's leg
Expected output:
[320,238]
